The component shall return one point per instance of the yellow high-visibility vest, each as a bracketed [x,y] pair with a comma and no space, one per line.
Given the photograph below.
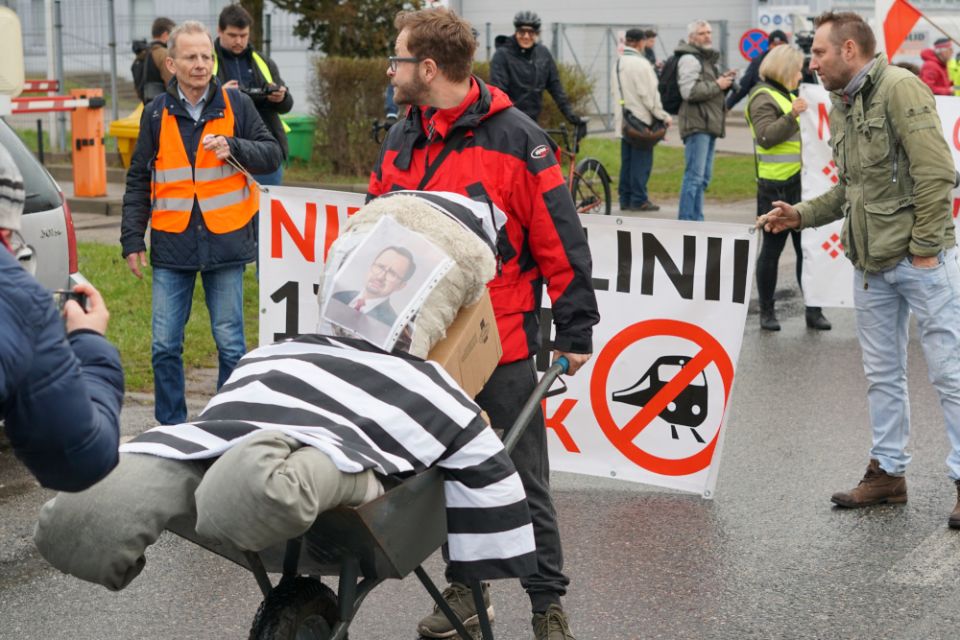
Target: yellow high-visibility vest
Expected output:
[781,161]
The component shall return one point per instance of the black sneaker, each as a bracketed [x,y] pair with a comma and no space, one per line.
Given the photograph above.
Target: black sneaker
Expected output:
[648,206]
[460,599]
[551,624]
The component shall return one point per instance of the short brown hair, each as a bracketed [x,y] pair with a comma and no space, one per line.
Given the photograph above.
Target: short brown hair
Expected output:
[161,26]
[443,36]
[848,25]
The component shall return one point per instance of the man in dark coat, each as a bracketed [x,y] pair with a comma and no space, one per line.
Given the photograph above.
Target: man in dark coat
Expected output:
[239,66]
[206,232]
[523,68]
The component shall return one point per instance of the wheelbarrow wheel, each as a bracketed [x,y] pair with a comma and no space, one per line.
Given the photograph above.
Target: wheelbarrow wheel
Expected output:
[297,609]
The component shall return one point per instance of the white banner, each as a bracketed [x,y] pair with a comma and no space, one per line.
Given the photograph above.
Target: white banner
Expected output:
[297,226]
[652,403]
[827,274]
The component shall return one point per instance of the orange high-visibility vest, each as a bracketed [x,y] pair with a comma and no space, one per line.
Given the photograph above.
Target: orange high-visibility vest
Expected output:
[226,200]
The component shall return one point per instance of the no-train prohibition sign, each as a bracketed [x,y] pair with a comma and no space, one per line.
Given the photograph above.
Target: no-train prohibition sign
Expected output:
[661,398]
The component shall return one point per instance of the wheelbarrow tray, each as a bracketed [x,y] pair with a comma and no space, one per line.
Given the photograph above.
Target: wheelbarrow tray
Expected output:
[389,537]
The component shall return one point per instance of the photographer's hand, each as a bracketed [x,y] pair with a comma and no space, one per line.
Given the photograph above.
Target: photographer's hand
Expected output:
[278,95]
[231,84]
[95,317]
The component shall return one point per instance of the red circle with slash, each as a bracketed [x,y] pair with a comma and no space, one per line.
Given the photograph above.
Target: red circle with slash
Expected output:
[711,353]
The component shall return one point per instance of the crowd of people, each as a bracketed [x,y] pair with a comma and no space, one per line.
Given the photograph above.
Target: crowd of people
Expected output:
[215,124]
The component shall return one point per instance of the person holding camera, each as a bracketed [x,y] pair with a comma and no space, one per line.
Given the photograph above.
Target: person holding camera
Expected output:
[702,113]
[61,383]
[239,66]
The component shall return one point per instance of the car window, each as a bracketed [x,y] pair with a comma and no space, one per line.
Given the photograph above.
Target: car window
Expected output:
[41,191]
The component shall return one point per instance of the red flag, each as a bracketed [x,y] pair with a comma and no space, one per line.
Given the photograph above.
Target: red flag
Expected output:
[898,20]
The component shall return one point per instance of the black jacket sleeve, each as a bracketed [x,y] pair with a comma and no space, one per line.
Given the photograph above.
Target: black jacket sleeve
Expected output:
[555,87]
[750,78]
[253,145]
[285,105]
[136,197]
[499,72]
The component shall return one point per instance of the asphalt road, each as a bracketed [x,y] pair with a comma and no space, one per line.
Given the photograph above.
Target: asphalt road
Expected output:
[768,558]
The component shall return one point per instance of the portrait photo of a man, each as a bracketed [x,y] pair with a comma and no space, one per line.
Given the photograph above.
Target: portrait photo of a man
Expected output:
[389,272]
[381,283]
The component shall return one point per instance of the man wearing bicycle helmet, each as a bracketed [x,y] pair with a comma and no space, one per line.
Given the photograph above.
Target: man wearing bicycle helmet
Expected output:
[523,68]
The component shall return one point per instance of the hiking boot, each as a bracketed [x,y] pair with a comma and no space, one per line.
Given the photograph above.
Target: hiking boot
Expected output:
[768,318]
[954,521]
[460,599]
[877,487]
[648,206]
[551,624]
[816,320]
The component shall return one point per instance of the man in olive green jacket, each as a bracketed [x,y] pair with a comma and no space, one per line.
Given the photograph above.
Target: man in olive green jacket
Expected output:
[702,113]
[896,174]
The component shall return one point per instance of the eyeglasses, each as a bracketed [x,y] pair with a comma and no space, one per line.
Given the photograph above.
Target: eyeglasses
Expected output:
[380,270]
[396,60]
[527,31]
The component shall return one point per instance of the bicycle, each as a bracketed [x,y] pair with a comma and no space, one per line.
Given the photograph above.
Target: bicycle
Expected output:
[588,181]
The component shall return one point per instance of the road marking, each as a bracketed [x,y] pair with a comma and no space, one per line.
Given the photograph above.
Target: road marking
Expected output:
[933,562]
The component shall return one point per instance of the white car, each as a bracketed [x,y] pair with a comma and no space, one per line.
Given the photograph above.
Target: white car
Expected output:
[47,224]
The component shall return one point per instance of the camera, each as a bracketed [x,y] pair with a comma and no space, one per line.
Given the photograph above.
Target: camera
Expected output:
[265,90]
[60,297]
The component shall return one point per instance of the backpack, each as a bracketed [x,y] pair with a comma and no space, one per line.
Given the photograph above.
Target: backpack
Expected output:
[138,68]
[147,89]
[668,87]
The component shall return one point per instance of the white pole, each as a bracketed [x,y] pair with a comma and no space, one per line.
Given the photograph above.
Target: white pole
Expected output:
[48,35]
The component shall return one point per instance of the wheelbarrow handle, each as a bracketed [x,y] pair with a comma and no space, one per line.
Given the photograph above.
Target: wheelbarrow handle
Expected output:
[558,368]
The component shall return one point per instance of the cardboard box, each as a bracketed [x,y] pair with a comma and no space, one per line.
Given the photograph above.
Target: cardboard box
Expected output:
[471,350]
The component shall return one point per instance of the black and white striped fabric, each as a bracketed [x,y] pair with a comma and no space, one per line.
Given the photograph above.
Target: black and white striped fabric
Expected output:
[367,409]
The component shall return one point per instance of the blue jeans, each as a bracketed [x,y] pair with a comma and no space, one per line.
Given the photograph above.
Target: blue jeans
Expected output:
[172,299]
[883,317]
[635,166]
[698,154]
[270,179]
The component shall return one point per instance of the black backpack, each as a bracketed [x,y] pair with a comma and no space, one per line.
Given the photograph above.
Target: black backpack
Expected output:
[668,87]
[147,80]
[141,50]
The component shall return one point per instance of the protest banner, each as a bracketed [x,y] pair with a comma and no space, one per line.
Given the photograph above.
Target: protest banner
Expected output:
[652,403]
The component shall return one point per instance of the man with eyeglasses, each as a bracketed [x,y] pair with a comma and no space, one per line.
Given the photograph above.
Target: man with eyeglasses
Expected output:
[61,384]
[523,68]
[464,136]
[188,181]
[389,272]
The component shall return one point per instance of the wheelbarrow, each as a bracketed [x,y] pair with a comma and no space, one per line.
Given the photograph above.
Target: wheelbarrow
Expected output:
[362,546]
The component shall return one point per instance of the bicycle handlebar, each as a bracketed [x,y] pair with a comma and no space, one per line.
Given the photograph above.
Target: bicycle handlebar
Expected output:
[580,132]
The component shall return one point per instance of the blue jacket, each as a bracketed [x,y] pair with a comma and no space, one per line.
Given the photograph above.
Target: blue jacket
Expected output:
[196,248]
[60,396]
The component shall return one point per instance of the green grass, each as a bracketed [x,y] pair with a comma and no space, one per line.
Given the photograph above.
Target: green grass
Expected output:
[733,175]
[128,300]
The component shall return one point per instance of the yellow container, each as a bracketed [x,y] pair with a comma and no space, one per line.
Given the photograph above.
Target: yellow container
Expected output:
[126,130]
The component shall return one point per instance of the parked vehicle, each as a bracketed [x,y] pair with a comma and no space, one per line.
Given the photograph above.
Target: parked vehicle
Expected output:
[47,223]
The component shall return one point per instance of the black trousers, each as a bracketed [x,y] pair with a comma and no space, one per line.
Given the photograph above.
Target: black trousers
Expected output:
[773,243]
[502,398]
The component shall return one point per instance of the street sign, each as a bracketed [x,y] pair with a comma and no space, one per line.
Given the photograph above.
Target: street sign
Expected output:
[753,43]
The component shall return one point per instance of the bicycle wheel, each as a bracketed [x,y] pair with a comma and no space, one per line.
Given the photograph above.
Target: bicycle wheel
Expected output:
[591,187]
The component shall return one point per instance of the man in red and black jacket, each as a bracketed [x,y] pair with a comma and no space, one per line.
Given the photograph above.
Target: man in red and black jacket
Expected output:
[463,136]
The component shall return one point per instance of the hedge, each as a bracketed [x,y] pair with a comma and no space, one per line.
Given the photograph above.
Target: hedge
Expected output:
[348,95]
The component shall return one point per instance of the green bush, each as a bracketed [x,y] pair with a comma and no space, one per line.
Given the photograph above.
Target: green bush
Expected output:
[347,96]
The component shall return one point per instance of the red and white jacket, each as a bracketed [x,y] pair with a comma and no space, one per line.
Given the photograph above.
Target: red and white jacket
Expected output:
[499,155]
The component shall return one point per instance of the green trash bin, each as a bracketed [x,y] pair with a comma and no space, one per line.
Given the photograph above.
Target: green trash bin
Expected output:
[300,136]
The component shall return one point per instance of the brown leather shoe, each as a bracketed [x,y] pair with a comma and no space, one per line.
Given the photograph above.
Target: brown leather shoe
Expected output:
[877,487]
[954,521]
